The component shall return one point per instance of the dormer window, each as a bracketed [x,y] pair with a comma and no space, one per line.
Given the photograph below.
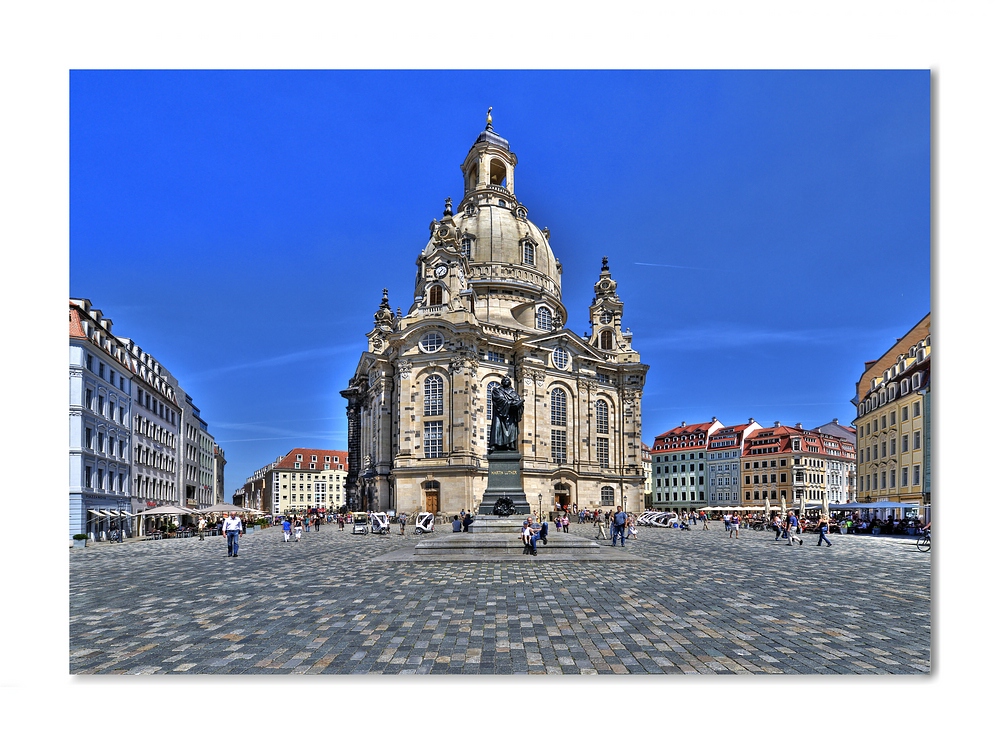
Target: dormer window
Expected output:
[436,295]
[467,247]
[607,339]
[543,319]
[522,213]
[528,253]
[470,209]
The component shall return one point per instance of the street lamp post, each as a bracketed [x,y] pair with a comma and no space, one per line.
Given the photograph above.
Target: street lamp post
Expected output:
[539,507]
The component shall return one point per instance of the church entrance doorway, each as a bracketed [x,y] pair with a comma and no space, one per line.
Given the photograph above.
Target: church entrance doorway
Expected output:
[432,497]
[564,497]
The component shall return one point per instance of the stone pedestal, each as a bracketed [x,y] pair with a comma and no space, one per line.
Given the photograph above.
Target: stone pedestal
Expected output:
[504,480]
[491,523]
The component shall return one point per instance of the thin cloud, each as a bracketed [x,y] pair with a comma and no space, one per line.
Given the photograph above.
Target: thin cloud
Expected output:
[672,266]
[277,361]
[720,337]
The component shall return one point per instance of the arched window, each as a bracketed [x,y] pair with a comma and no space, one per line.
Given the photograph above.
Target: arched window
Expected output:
[489,411]
[557,404]
[601,411]
[467,247]
[557,401]
[543,319]
[436,294]
[434,396]
[528,253]
[607,340]
[498,173]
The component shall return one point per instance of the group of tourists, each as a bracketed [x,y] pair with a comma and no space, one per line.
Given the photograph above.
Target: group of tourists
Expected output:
[288,526]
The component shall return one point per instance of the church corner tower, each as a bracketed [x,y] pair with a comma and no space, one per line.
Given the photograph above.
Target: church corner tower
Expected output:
[487,302]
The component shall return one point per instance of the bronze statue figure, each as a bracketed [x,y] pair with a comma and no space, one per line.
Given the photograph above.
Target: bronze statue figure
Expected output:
[507,411]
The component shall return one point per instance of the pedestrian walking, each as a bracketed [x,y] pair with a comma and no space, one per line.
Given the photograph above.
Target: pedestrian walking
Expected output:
[776,526]
[402,524]
[704,521]
[340,522]
[232,527]
[298,530]
[202,524]
[319,521]
[727,521]
[824,528]
[631,528]
[618,527]
[601,534]
[286,529]
[734,526]
[791,525]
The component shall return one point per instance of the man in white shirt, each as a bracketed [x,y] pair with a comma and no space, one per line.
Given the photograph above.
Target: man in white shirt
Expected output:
[232,528]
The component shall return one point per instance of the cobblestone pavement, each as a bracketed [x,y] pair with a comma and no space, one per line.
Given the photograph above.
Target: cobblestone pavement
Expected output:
[702,604]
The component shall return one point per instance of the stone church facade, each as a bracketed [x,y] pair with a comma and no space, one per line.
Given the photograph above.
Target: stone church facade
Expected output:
[488,303]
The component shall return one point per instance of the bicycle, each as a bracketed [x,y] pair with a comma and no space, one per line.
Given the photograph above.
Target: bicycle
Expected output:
[924,541]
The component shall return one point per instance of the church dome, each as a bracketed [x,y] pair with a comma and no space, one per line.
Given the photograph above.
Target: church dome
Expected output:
[502,244]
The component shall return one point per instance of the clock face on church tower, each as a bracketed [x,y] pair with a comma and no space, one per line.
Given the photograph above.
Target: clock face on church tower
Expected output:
[440,271]
[606,317]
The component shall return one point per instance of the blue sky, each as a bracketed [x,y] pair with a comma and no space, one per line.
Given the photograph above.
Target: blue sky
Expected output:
[769,231]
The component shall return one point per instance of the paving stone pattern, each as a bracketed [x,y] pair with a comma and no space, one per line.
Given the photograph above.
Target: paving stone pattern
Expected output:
[702,604]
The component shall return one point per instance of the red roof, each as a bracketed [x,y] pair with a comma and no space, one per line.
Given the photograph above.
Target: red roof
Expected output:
[289,460]
[684,437]
[75,325]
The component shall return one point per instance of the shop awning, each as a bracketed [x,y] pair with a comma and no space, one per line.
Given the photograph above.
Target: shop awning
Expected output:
[876,505]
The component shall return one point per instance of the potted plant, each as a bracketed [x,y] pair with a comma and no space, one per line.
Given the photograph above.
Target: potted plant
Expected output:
[79,540]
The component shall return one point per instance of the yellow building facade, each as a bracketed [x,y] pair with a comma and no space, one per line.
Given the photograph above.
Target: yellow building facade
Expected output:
[893,421]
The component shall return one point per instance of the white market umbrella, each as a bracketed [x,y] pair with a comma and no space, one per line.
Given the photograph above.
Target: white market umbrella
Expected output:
[225,509]
[163,511]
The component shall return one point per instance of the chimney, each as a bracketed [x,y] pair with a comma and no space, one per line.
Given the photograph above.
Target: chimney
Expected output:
[684,423]
[714,419]
[836,421]
[751,421]
[798,425]
[777,424]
